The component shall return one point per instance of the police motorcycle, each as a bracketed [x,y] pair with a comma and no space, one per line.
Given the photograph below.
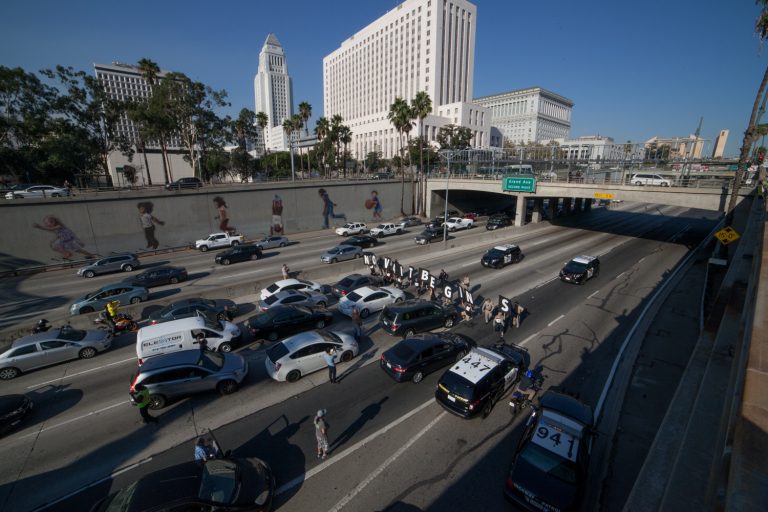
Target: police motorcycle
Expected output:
[525,391]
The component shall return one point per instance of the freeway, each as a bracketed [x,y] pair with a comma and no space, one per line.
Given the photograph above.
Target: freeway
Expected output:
[392,443]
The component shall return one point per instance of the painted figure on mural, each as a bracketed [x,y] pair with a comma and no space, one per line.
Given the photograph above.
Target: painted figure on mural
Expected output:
[328,206]
[374,203]
[148,222]
[66,242]
[276,228]
[223,216]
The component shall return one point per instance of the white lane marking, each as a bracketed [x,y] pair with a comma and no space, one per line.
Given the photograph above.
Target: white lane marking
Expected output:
[258,271]
[317,469]
[641,259]
[57,425]
[80,373]
[370,478]
[555,320]
[529,338]
[468,264]
[593,294]
[24,315]
[619,276]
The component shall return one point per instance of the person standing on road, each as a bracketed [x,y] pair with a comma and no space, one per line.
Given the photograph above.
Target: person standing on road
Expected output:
[321,434]
[487,310]
[204,451]
[465,282]
[330,360]
[286,272]
[357,321]
[498,323]
[140,397]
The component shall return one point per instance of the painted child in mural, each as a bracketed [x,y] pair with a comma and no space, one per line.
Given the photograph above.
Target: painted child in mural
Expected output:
[276,228]
[328,208]
[223,216]
[66,242]
[148,222]
[374,203]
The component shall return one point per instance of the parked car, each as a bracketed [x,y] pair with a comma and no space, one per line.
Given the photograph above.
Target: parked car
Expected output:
[309,298]
[471,215]
[559,432]
[650,179]
[244,252]
[352,228]
[290,284]
[416,315]
[386,229]
[422,354]
[219,484]
[363,241]
[370,299]
[96,301]
[384,176]
[501,255]
[436,223]
[13,409]
[407,222]
[270,242]
[217,240]
[341,253]
[159,276]
[428,235]
[51,347]
[498,221]
[281,321]
[125,262]
[221,309]
[37,192]
[302,354]
[189,182]
[353,282]
[187,372]
[456,223]
[580,269]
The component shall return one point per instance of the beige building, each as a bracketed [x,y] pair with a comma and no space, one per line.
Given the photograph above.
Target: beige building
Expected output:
[679,147]
[720,142]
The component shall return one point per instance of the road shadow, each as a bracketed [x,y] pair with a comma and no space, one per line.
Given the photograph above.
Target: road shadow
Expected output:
[366,415]
[50,400]
[197,275]
[399,506]
[163,294]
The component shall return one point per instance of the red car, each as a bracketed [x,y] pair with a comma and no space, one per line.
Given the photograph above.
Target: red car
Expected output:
[470,215]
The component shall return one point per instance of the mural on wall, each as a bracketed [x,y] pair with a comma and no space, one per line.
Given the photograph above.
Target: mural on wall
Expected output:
[65,242]
[328,208]
[148,222]
[374,203]
[223,216]
[276,228]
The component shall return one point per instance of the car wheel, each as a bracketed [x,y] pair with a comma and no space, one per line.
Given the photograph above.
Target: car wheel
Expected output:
[235,242]
[282,244]
[399,232]
[9,373]
[86,310]
[334,260]
[204,248]
[364,313]
[460,355]
[55,194]
[322,304]
[398,299]
[320,324]
[225,347]
[87,353]
[357,255]
[417,377]
[156,402]
[227,387]
[133,326]
[272,336]
[128,268]
[174,280]
[135,300]
[379,235]
[346,356]
[409,333]
[345,234]
[89,273]
[225,261]
[293,376]
[488,408]
[665,184]
[448,322]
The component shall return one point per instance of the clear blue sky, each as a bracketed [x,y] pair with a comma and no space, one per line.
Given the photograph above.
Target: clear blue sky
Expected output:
[633,69]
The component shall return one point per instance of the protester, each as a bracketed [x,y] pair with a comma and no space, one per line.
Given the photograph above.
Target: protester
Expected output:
[487,309]
[321,434]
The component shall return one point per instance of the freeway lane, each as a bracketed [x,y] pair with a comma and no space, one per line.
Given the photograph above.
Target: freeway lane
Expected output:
[432,461]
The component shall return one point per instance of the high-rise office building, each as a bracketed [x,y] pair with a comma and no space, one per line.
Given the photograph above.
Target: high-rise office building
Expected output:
[420,45]
[529,115]
[274,92]
[720,142]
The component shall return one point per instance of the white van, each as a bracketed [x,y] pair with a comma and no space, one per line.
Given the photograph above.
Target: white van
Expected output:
[649,179]
[176,335]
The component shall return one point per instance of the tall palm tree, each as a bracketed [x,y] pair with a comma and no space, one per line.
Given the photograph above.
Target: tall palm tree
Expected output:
[298,123]
[305,111]
[261,121]
[336,123]
[321,131]
[421,107]
[288,130]
[400,116]
[345,137]
[149,70]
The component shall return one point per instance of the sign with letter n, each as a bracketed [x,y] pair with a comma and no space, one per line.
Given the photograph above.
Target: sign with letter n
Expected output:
[518,184]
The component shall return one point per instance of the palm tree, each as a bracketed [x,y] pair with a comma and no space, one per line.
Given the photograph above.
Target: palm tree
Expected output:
[261,121]
[305,111]
[298,123]
[345,137]
[336,123]
[421,106]
[149,70]
[288,129]
[400,116]
[321,131]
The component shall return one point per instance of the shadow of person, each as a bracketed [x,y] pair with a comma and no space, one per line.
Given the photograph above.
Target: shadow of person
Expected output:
[366,415]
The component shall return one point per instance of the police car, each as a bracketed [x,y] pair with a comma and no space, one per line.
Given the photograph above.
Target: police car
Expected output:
[476,382]
[580,269]
[549,468]
[501,255]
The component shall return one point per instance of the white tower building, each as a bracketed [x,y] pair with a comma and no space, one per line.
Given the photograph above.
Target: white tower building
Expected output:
[274,92]
[421,45]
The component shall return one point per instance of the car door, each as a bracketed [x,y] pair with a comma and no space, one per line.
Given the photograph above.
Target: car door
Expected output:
[26,358]
[56,351]
[433,317]
[181,312]
[440,355]
[177,381]
[511,372]
[282,324]
[375,301]
[310,358]
[294,299]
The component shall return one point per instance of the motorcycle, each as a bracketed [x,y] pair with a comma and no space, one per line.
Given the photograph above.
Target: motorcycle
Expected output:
[123,322]
[42,326]
[524,393]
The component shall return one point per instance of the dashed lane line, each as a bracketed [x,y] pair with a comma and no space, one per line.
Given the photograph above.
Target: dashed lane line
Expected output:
[59,379]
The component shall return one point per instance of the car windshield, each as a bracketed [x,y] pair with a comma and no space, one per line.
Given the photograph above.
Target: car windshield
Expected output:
[276,352]
[329,336]
[211,360]
[457,385]
[381,226]
[427,232]
[550,463]
[495,253]
[335,250]
[353,296]
[121,500]
[219,482]
[402,353]
[213,323]
[272,288]
[69,334]
[575,267]
[270,300]
[347,281]
[349,225]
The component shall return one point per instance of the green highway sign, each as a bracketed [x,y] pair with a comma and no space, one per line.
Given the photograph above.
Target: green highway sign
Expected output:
[519,184]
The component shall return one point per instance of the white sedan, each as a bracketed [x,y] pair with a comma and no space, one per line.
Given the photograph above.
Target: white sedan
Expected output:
[270,242]
[290,284]
[455,223]
[38,191]
[302,353]
[369,299]
[294,298]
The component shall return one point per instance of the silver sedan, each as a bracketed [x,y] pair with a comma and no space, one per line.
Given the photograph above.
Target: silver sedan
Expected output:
[271,242]
[295,298]
[342,253]
[38,191]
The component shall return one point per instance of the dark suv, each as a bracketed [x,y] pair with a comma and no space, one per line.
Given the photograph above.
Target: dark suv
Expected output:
[239,253]
[415,357]
[580,269]
[415,315]
[498,221]
[352,282]
[190,182]
[501,255]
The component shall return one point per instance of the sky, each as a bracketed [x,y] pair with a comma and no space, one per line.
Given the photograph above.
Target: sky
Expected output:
[634,70]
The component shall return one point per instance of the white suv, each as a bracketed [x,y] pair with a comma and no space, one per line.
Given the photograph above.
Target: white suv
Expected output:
[352,228]
[386,229]
[649,179]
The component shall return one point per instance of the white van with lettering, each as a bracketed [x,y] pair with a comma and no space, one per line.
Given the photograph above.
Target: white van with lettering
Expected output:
[176,335]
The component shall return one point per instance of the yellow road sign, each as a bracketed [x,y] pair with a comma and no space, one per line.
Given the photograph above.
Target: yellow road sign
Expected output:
[602,195]
[727,235]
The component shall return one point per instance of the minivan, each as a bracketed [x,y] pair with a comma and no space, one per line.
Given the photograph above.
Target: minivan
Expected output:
[115,263]
[176,335]
[649,179]
[411,316]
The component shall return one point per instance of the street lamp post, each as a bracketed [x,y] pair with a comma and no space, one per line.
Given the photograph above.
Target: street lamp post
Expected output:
[445,215]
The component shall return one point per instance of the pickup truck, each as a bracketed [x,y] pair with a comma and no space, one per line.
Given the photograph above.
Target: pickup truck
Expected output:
[455,223]
[215,240]
[386,229]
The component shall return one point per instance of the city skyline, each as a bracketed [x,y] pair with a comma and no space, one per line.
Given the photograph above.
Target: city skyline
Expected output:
[632,73]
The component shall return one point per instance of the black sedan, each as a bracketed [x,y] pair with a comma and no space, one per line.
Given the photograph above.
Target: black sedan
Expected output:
[13,409]
[159,276]
[421,354]
[280,321]
[189,182]
[353,282]
[219,484]
[363,241]
[222,309]
[243,252]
